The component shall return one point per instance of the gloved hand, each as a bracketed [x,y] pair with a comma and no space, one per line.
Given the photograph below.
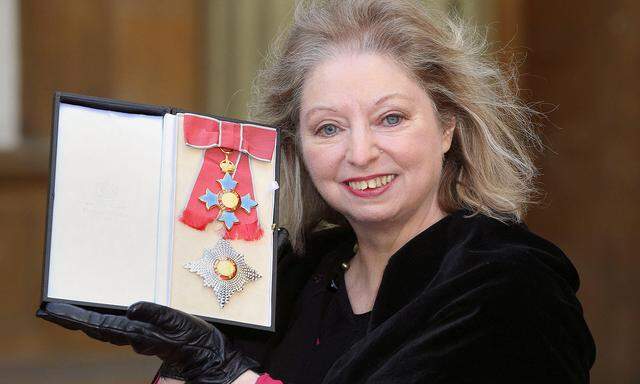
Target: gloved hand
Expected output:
[191,349]
[194,348]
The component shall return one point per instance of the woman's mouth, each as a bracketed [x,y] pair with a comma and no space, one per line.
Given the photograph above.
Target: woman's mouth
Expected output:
[369,186]
[375,182]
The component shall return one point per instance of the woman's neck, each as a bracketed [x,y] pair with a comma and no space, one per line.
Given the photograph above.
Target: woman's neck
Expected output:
[376,245]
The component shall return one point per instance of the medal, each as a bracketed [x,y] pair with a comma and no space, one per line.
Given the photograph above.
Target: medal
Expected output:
[227,200]
[223,269]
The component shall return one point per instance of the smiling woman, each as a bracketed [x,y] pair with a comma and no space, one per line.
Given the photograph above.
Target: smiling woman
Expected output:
[386,130]
[400,129]
[489,168]
[400,132]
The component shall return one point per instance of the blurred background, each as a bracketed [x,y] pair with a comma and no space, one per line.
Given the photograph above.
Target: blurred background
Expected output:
[579,62]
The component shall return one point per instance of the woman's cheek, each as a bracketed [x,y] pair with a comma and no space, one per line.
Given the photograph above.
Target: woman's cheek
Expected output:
[322,163]
[315,161]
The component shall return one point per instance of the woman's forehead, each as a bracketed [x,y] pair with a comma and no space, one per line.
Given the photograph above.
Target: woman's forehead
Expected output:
[368,78]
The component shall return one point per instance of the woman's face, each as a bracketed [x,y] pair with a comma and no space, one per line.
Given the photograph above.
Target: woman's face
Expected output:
[371,141]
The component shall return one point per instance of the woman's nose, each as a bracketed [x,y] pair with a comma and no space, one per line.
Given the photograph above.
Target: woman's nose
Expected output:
[363,147]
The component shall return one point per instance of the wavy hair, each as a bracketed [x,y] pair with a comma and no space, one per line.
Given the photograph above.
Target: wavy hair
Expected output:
[489,167]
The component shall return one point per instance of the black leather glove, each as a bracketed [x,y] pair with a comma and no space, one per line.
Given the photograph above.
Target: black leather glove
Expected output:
[191,349]
[194,348]
[283,243]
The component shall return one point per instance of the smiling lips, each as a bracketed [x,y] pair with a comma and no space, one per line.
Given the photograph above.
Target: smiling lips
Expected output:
[369,187]
[371,183]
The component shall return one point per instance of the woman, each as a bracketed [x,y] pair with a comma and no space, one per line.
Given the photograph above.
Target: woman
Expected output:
[403,136]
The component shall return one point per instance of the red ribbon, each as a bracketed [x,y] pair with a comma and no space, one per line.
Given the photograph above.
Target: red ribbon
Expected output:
[243,140]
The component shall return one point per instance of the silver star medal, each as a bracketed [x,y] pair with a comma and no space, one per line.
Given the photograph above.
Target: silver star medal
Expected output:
[223,269]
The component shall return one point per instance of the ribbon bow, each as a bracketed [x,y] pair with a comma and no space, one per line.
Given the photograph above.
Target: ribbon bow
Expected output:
[240,141]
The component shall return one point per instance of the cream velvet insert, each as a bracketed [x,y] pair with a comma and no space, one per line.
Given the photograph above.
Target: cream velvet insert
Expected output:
[252,304]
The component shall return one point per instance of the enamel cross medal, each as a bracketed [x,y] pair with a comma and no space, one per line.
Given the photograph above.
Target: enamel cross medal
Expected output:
[222,267]
[227,200]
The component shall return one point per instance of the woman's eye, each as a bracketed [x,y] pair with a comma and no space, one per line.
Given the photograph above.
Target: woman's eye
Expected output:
[391,120]
[328,130]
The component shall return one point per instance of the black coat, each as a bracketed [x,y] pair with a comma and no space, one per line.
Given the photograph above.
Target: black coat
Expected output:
[469,300]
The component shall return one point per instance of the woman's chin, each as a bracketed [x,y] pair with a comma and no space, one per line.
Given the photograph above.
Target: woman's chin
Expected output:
[370,218]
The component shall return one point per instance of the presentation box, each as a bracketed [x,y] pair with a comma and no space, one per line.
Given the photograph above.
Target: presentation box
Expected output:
[152,203]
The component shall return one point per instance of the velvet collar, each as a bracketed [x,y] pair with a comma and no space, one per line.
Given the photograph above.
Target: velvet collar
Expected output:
[410,268]
[413,268]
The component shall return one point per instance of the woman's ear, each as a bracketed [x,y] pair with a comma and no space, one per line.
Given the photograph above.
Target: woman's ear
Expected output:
[447,133]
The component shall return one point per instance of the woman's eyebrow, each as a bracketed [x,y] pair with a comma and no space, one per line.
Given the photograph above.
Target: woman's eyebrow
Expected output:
[390,96]
[318,109]
[381,100]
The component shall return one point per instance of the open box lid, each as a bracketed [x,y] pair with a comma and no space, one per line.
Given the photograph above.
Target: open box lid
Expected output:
[121,176]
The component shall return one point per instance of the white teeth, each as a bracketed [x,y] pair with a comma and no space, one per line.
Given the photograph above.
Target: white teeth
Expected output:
[376,182]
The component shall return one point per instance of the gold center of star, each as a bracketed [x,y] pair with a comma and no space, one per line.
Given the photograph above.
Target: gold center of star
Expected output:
[225,268]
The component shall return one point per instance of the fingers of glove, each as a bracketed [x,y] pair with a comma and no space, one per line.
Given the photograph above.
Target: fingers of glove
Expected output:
[165,318]
[111,328]
[282,241]
[151,343]
[73,317]
[282,237]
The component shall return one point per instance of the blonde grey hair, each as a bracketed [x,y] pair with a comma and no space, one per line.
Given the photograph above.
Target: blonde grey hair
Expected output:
[489,168]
